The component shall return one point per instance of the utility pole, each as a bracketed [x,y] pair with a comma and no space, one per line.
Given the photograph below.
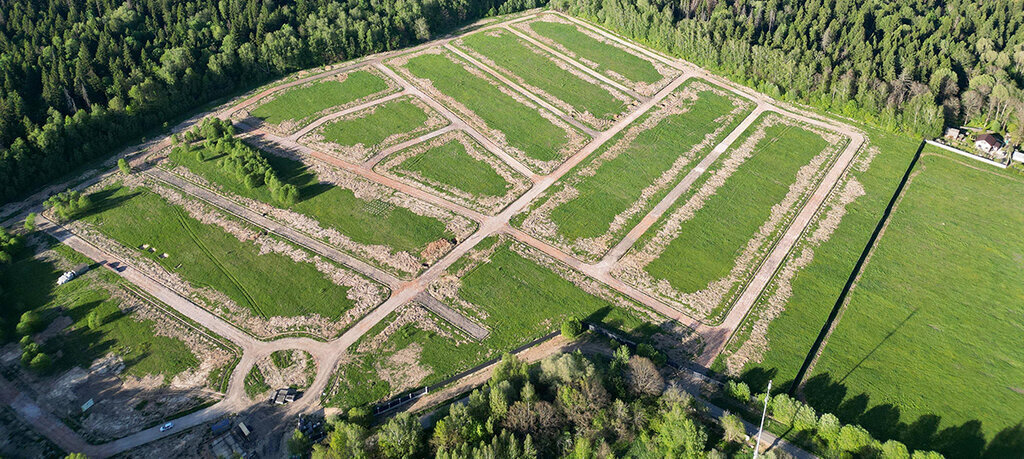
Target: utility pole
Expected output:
[764,413]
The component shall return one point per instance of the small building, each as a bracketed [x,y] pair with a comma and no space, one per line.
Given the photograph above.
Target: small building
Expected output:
[954,134]
[66,277]
[286,395]
[988,143]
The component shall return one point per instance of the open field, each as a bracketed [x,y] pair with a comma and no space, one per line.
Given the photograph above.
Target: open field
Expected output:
[297,106]
[611,59]
[458,168]
[284,283]
[562,85]
[776,336]
[591,208]
[532,135]
[938,301]
[510,289]
[368,220]
[359,135]
[133,354]
[696,257]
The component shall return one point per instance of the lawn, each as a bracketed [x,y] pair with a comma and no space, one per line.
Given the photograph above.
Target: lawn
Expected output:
[449,164]
[271,285]
[524,128]
[518,59]
[619,183]
[816,287]
[300,104]
[937,305]
[30,284]
[365,222]
[707,245]
[375,125]
[606,58]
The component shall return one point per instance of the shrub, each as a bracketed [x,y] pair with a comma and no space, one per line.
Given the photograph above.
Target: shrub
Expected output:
[40,363]
[30,323]
[738,390]
[68,204]
[30,221]
[647,350]
[122,164]
[572,328]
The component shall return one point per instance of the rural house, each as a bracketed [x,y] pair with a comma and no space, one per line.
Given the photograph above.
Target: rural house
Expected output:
[988,143]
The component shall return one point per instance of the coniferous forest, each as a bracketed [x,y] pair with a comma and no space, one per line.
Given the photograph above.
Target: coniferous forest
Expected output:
[79,78]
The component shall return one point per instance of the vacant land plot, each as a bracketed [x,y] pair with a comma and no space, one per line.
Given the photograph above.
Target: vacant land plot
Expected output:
[938,301]
[370,221]
[534,136]
[106,339]
[249,276]
[558,82]
[611,59]
[704,248]
[410,349]
[288,110]
[590,209]
[357,136]
[513,290]
[777,334]
[457,167]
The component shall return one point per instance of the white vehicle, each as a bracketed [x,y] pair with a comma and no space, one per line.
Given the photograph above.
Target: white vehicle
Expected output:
[166,427]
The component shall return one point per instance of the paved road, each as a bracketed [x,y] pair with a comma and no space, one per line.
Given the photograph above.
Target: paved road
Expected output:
[328,354]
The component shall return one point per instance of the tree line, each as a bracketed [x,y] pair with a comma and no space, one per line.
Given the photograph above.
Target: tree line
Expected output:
[79,78]
[908,65]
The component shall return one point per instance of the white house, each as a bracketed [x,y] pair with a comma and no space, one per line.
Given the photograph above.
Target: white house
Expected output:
[988,143]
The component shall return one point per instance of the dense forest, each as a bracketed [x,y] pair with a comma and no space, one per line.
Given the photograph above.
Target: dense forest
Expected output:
[910,65]
[79,78]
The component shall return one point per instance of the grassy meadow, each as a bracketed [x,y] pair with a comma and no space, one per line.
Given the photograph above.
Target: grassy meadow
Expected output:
[300,104]
[451,165]
[708,243]
[396,117]
[509,52]
[524,128]
[618,184]
[607,59]
[366,222]
[271,285]
[928,348]
[30,284]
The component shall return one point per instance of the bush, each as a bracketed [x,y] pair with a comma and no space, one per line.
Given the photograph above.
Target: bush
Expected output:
[122,164]
[646,350]
[572,328]
[30,222]
[298,444]
[68,204]
[738,391]
[30,323]
[40,363]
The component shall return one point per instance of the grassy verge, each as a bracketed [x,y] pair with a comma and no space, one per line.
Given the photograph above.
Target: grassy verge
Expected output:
[606,58]
[206,256]
[301,103]
[524,128]
[511,54]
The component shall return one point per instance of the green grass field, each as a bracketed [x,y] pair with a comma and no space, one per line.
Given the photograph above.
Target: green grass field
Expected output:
[31,284]
[607,57]
[255,384]
[206,256]
[451,165]
[928,349]
[524,127]
[301,103]
[510,53]
[816,287]
[618,183]
[334,207]
[523,300]
[709,242]
[398,116]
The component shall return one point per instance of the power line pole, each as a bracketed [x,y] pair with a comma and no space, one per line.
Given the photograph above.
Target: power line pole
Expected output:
[764,413]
